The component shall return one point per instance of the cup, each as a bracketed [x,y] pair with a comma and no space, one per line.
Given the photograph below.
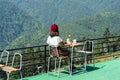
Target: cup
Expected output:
[74,41]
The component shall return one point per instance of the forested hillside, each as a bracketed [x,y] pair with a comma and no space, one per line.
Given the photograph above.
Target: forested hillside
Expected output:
[14,23]
[94,26]
[49,11]
[26,22]
[90,27]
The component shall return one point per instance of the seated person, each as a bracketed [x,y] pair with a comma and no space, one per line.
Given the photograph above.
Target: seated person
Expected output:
[55,41]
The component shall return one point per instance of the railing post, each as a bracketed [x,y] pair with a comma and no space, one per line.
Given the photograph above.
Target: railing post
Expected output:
[102,48]
[45,57]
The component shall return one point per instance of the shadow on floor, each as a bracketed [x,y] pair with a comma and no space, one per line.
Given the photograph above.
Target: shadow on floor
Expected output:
[91,68]
[81,69]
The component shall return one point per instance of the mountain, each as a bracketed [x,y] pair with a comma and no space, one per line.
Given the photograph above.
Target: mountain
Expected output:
[26,22]
[14,23]
[50,11]
[93,26]
[89,27]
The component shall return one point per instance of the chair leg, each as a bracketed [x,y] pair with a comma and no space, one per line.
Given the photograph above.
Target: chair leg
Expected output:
[55,63]
[21,74]
[85,61]
[69,65]
[48,64]
[59,66]
[8,75]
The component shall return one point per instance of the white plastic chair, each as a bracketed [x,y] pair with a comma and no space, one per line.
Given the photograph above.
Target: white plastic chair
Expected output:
[4,58]
[13,68]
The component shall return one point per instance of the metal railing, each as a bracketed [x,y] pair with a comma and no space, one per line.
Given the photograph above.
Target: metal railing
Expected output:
[35,57]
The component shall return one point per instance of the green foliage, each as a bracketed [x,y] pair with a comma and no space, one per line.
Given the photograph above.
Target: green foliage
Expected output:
[25,22]
[93,27]
[14,23]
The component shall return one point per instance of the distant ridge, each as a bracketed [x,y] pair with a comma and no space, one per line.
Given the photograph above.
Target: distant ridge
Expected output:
[25,22]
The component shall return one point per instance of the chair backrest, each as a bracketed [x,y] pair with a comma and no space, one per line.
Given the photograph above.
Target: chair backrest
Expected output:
[4,57]
[20,60]
[53,51]
[88,46]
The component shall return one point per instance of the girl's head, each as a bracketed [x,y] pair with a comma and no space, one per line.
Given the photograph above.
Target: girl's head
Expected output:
[54,31]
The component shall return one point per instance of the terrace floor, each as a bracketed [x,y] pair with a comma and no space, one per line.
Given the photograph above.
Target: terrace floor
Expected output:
[107,70]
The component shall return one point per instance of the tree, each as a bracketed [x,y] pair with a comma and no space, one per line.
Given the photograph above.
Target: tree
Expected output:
[106,33]
[106,36]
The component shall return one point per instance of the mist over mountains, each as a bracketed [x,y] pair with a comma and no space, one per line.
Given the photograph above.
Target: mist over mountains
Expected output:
[26,22]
